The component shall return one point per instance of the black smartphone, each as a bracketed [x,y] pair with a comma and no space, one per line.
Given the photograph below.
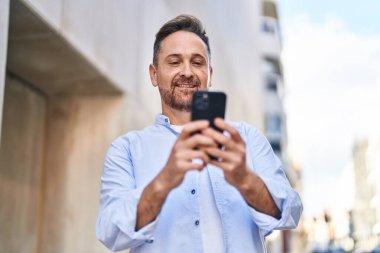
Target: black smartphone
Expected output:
[208,105]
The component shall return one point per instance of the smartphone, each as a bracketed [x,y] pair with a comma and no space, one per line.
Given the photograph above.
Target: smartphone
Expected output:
[208,105]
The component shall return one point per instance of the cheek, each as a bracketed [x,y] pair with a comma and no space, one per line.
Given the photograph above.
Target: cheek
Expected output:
[169,74]
[203,75]
[165,78]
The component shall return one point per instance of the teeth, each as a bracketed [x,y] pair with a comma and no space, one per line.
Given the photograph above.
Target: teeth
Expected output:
[186,86]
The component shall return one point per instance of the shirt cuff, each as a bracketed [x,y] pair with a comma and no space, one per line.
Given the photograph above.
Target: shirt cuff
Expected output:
[290,209]
[147,232]
[264,221]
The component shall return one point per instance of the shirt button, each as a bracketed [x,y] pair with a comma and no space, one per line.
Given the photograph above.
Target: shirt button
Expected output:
[196,222]
[193,191]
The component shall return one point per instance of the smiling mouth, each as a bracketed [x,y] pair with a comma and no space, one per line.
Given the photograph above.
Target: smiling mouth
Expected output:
[186,85]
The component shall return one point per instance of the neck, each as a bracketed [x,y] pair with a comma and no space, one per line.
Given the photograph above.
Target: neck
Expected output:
[176,117]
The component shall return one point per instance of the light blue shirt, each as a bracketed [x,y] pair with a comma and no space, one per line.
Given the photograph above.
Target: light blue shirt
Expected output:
[211,228]
[134,159]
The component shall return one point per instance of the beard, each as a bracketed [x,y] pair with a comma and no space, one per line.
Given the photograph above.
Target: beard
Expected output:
[178,98]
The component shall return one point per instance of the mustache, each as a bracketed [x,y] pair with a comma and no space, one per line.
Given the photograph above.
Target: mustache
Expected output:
[186,80]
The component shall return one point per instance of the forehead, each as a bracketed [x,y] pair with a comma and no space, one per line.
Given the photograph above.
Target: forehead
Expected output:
[183,43]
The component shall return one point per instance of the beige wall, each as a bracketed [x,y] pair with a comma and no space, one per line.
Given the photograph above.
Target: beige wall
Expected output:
[60,116]
[4,14]
[49,10]
[51,163]
[79,130]
[21,164]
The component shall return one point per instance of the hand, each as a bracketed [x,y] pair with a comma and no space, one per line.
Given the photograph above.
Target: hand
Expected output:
[188,146]
[232,159]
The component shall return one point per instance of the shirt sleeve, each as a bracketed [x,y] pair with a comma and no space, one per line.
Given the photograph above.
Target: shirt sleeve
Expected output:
[268,167]
[119,197]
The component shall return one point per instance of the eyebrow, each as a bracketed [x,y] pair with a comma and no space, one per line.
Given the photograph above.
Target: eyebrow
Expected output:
[180,56]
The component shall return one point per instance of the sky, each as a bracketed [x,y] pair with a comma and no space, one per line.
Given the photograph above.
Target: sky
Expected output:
[361,17]
[331,58]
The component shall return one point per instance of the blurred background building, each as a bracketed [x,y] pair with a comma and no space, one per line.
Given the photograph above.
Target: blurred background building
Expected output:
[354,226]
[74,75]
[366,210]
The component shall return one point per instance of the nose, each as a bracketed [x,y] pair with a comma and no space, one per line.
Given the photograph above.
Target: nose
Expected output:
[186,70]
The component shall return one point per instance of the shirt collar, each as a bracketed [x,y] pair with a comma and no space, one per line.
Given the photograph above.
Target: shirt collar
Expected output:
[165,121]
[162,120]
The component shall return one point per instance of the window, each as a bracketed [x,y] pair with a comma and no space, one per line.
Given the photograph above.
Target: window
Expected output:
[271,27]
[267,26]
[271,83]
[273,123]
[272,65]
[276,146]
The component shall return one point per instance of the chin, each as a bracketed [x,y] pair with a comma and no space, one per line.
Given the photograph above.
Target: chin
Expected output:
[182,104]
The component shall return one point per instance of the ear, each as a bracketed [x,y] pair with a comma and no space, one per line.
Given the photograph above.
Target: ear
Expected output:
[210,77]
[153,75]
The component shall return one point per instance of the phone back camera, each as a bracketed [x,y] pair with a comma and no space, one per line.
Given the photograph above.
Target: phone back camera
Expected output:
[202,103]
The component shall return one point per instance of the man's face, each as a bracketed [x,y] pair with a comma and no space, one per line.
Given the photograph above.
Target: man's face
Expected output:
[182,68]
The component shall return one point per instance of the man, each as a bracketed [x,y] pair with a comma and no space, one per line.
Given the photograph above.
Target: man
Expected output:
[161,192]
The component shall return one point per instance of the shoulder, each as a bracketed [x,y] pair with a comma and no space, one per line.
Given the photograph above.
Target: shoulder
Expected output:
[244,128]
[250,134]
[131,137]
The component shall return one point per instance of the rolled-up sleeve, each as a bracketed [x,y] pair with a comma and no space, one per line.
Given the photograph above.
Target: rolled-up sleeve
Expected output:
[268,167]
[119,198]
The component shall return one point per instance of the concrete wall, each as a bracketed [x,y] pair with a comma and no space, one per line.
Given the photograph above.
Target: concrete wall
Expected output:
[60,116]
[4,17]
[21,163]
[51,163]
[79,130]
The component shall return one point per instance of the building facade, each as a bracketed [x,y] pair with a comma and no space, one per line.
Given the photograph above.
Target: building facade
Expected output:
[274,116]
[74,76]
[366,211]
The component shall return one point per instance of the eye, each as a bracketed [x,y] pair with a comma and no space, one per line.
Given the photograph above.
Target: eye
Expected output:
[174,63]
[197,63]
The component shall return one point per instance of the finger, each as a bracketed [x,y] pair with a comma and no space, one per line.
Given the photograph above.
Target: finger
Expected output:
[219,138]
[233,158]
[189,155]
[222,165]
[222,154]
[198,140]
[192,166]
[192,127]
[220,123]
